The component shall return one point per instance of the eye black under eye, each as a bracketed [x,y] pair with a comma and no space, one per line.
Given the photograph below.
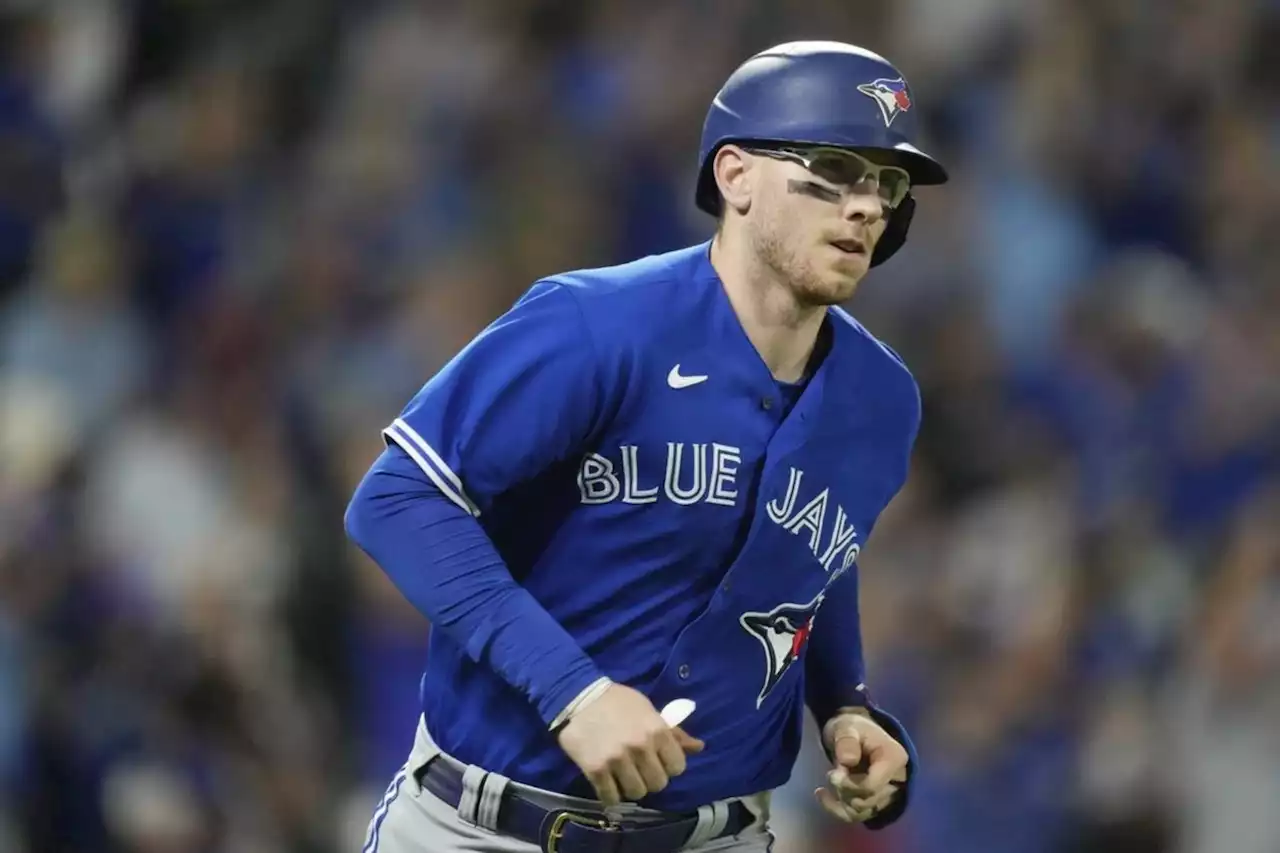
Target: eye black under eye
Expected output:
[814,190]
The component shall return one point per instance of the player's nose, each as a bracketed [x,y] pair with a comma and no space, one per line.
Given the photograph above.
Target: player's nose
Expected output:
[863,207]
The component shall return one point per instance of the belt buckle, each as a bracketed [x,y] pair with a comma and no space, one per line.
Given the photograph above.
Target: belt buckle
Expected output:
[563,818]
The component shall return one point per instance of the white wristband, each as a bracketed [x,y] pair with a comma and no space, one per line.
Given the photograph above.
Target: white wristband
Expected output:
[593,691]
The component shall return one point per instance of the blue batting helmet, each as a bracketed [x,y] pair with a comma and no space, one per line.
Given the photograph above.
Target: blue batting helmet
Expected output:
[819,93]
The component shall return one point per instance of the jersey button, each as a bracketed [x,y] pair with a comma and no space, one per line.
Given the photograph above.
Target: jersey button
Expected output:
[683,672]
[766,403]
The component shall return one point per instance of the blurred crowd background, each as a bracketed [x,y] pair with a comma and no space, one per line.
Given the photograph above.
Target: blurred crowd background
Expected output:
[237,235]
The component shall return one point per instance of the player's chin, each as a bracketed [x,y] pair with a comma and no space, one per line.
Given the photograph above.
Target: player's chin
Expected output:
[840,279]
[830,290]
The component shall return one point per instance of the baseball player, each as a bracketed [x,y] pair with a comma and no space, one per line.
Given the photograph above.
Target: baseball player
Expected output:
[632,507]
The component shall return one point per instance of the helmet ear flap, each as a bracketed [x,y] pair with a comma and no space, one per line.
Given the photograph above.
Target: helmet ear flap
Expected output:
[895,232]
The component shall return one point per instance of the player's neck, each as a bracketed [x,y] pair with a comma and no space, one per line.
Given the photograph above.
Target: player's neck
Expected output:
[783,331]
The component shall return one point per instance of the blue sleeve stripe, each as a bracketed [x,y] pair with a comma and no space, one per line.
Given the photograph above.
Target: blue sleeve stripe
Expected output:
[431,464]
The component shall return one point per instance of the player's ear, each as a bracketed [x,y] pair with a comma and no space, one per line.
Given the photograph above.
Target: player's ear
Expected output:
[734,177]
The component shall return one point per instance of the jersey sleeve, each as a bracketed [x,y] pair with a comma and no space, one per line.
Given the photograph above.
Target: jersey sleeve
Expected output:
[522,395]
[835,678]
[442,561]
[835,670]
[835,675]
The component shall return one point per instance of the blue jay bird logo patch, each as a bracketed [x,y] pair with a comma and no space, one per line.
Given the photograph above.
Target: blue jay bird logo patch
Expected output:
[783,633]
[890,95]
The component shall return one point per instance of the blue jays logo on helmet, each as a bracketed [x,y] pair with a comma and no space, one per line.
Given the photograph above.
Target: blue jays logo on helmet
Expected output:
[890,95]
[783,633]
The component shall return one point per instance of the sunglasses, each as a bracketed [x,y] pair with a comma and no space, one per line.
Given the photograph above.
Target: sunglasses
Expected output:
[846,168]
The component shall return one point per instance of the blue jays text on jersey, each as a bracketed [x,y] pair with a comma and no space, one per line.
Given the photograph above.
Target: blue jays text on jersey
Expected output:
[630,457]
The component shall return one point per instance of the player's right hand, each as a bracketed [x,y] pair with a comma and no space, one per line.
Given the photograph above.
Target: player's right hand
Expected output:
[624,747]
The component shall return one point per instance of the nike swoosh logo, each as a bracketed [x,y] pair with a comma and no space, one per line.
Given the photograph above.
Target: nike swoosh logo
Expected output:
[675,380]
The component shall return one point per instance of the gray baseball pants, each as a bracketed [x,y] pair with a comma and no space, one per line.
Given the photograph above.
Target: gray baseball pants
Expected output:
[410,819]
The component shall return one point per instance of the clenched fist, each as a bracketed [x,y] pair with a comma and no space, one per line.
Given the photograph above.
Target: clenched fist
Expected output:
[624,747]
[869,767]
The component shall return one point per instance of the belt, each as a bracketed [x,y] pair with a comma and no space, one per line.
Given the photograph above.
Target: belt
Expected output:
[569,831]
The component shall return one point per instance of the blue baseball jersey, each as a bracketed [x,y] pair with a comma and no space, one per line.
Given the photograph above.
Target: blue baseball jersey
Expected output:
[645,478]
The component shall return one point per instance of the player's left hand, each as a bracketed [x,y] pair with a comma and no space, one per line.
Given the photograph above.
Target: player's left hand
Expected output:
[869,767]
